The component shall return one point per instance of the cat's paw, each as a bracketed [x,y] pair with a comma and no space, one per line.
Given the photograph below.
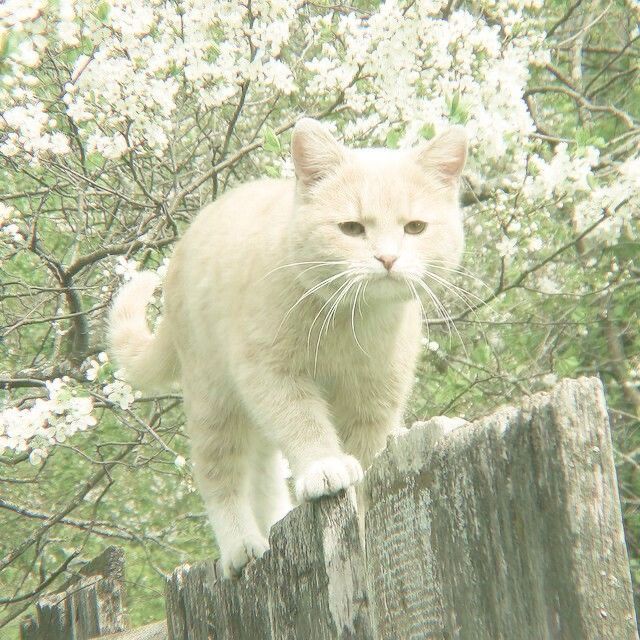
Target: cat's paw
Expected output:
[241,553]
[327,476]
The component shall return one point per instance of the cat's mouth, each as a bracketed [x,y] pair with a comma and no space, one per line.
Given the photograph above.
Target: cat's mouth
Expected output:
[386,276]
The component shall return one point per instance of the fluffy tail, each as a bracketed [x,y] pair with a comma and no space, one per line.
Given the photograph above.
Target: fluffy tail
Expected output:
[150,361]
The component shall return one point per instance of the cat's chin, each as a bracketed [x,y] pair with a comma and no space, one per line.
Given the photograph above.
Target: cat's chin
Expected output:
[391,287]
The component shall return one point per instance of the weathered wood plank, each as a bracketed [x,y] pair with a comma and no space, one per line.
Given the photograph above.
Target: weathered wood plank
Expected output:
[91,603]
[310,584]
[153,631]
[509,528]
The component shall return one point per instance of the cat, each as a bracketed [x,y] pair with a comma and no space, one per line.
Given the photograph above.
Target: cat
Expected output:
[293,322]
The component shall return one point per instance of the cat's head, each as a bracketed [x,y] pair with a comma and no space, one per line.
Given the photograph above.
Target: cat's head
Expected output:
[386,217]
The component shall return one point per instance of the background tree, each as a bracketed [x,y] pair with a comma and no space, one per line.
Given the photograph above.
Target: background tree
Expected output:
[120,119]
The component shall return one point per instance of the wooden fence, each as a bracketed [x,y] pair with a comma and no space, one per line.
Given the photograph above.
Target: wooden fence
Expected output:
[508,528]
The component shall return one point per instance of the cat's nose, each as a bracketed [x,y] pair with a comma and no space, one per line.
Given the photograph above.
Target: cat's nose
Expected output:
[387,261]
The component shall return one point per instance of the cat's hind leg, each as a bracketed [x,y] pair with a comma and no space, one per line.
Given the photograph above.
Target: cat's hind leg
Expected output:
[221,444]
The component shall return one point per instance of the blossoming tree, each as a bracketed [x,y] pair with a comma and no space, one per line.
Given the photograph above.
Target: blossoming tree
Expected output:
[120,119]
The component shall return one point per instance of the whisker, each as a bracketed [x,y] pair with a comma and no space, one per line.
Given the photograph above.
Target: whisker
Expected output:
[455,289]
[310,292]
[324,306]
[364,289]
[334,308]
[325,324]
[353,323]
[443,312]
[317,263]
[460,271]
[423,312]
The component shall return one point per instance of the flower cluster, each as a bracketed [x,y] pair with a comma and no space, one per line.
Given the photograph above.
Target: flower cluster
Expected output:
[120,392]
[47,422]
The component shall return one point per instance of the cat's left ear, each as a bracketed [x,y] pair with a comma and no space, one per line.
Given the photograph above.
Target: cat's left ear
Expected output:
[445,155]
[315,152]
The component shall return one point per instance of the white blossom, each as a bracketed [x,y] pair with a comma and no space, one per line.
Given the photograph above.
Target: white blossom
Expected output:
[47,421]
[507,247]
[119,392]
[125,268]
[93,370]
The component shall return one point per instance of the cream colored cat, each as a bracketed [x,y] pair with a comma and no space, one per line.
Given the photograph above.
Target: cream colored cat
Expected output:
[293,324]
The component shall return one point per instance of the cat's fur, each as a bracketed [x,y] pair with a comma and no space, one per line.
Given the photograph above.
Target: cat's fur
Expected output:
[261,370]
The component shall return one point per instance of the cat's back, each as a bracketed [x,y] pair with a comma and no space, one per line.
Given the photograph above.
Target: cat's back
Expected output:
[243,221]
[251,208]
[231,241]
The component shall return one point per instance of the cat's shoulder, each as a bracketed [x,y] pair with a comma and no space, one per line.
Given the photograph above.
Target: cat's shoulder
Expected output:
[258,191]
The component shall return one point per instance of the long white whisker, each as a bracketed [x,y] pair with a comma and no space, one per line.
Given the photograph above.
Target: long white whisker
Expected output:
[364,288]
[325,324]
[423,312]
[353,322]
[444,314]
[334,307]
[324,306]
[317,266]
[310,292]
[455,289]
[459,270]
[317,263]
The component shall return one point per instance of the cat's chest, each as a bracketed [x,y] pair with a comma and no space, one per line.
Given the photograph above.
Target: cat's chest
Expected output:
[353,346]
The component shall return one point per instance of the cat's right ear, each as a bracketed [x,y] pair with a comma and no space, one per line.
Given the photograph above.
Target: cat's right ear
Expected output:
[315,152]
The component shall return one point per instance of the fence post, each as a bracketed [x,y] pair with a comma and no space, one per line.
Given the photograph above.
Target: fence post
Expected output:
[507,528]
[310,585]
[90,604]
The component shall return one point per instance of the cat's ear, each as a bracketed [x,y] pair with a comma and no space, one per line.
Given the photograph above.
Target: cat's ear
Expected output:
[445,155]
[315,151]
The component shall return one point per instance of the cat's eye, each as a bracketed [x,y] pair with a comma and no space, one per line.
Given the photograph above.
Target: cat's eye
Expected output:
[415,227]
[352,228]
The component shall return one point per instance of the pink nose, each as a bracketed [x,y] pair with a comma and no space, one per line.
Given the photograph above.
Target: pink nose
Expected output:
[387,261]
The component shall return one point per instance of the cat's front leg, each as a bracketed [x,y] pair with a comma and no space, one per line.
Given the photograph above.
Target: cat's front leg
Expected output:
[365,440]
[289,408]
[366,426]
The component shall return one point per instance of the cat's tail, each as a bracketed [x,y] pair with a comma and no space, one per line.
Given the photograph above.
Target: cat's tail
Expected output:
[150,360]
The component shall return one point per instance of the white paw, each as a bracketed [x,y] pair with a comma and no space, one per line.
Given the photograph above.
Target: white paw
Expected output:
[327,476]
[236,557]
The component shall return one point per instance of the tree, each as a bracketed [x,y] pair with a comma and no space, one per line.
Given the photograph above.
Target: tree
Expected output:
[120,120]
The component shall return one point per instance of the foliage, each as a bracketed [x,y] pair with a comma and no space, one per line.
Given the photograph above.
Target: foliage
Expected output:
[121,119]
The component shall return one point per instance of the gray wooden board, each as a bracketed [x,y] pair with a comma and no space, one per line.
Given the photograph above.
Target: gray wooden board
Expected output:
[91,606]
[509,528]
[89,603]
[153,631]
[310,584]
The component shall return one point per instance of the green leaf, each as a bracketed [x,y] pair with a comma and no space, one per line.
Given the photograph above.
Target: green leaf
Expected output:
[271,142]
[427,131]
[458,111]
[393,137]
[586,137]
[7,44]
[102,11]
[567,367]
[481,353]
